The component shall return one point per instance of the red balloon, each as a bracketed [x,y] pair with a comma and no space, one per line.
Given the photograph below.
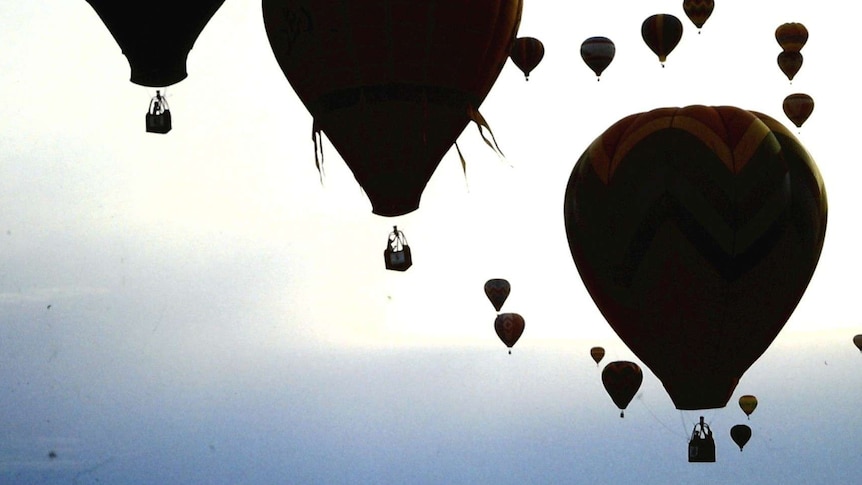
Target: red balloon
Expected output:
[622,380]
[392,84]
[527,53]
[156,35]
[509,327]
[696,231]
[798,107]
[497,290]
[790,62]
[791,36]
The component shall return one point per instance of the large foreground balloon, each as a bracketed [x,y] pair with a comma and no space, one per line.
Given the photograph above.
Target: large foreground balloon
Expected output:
[527,53]
[696,231]
[497,290]
[156,35]
[392,83]
[661,32]
[622,379]
[509,327]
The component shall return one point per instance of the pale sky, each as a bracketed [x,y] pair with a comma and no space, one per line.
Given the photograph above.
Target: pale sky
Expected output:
[197,307]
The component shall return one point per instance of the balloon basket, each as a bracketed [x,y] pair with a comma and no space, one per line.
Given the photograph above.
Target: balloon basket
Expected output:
[397,254]
[159,123]
[701,447]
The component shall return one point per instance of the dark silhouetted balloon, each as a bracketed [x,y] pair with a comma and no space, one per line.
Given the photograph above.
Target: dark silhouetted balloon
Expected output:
[798,108]
[740,434]
[857,341]
[597,353]
[509,327]
[391,84]
[791,36]
[698,11]
[696,231]
[747,403]
[661,32]
[790,62]
[622,380]
[497,290]
[597,53]
[527,53]
[156,35]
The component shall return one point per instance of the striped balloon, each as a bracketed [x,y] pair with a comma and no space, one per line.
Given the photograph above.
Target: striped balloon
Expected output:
[791,36]
[527,53]
[698,11]
[497,290]
[661,32]
[798,107]
[696,231]
[597,53]
[790,62]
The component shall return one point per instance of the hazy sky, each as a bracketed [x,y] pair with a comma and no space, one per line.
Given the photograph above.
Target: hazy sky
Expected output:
[197,307]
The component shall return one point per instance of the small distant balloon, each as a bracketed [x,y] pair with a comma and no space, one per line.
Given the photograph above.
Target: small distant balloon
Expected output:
[497,290]
[622,379]
[597,53]
[791,36]
[661,32]
[527,53]
[857,341]
[509,327]
[790,62]
[597,353]
[740,434]
[698,11]
[748,403]
[798,108]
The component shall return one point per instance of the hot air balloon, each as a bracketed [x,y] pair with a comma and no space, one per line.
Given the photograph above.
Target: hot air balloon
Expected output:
[527,53]
[509,327]
[748,403]
[397,255]
[857,341]
[698,11]
[740,434]
[391,84]
[622,379]
[696,231]
[790,62]
[156,35]
[661,32]
[701,446]
[597,53]
[497,290]
[798,108]
[597,353]
[791,36]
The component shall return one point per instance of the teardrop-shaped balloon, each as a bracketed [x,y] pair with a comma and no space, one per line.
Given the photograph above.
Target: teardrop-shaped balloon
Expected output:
[791,36]
[392,84]
[661,32]
[622,379]
[597,353]
[509,327]
[698,11]
[597,53]
[798,107]
[527,53]
[748,403]
[857,341]
[497,290]
[790,62]
[696,231]
[740,434]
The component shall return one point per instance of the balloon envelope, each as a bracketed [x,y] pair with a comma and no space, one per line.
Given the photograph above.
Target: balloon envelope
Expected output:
[790,62]
[661,32]
[391,83]
[597,53]
[748,403]
[740,434]
[698,11]
[791,36]
[497,290]
[798,107]
[857,341]
[597,353]
[622,379]
[509,327]
[696,231]
[156,35]
[527,53]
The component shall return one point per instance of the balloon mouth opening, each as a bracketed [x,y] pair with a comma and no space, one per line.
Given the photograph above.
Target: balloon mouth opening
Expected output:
[157,73]
[707,392]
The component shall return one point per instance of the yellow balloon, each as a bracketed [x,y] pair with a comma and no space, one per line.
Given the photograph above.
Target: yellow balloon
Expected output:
[748,403]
